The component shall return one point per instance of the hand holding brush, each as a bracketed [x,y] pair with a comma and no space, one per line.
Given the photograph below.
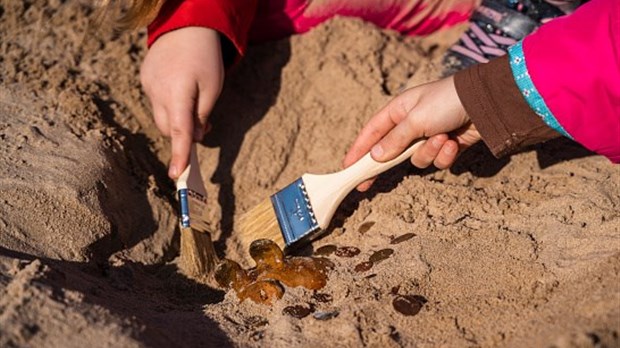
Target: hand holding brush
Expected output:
[298,212]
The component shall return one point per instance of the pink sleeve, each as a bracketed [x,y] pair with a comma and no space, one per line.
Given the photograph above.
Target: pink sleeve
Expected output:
[574,65]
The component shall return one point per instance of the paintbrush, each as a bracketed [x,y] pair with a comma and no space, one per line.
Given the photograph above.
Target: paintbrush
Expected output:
[198,258]
[297,213]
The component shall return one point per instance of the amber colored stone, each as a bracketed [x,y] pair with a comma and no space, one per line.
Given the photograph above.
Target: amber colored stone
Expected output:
[291,271]
[325,250]
[347,251]
[325,263]
[364,266]
[408,305]
[402,238]
[322,297]
[267,254]
[229,274]
[365,227]
[297,311]
[262,291]
[262,284]
[380,255]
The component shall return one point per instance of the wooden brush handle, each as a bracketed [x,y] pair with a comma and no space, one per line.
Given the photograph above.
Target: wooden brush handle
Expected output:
[367,168]
[327,191]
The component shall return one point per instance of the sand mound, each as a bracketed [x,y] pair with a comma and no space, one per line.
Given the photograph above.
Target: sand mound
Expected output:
[521,251]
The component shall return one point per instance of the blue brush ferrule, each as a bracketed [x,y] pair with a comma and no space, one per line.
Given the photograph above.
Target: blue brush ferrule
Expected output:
[184,207]
[294,212]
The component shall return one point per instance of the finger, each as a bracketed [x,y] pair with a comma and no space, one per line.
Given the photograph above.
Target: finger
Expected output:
[378,126]
[160,116]
[363,187]
[446,157]
[206,101]
[427,153]
[181,134]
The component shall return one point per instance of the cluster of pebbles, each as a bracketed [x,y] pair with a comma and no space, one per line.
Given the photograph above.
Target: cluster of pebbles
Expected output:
[406,304]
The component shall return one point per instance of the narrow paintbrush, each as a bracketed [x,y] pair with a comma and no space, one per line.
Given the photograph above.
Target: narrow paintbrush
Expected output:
[198,257]
[299,211]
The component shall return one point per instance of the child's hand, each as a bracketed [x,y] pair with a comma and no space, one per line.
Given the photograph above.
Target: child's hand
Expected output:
[182,75]
[432,110]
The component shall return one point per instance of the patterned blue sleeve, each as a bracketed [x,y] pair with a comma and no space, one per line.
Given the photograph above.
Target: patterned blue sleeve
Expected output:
[529,91]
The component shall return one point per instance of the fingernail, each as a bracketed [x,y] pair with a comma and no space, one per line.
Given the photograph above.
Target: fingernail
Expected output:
[449,150]
[377,151]
[173,172]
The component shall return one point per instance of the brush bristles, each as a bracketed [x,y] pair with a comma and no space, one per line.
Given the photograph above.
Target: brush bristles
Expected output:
[198,258]
[259,223]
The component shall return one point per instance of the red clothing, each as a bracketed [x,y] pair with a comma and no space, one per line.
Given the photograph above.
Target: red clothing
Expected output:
[232,18]
[260,20]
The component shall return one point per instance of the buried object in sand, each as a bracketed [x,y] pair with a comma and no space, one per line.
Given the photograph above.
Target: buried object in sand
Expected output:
[263,283]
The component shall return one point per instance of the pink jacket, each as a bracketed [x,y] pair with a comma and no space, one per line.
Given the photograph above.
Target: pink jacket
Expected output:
[569,73]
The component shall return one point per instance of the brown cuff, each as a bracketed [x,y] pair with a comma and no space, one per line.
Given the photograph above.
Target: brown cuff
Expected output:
[498,110]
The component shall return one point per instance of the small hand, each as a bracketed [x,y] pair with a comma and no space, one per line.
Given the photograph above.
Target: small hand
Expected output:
[182,75]
[433,111]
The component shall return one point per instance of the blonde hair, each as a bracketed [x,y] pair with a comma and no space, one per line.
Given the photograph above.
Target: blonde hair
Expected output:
[138,13]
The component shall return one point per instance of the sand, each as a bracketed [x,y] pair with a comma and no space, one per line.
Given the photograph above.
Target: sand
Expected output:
[516,252]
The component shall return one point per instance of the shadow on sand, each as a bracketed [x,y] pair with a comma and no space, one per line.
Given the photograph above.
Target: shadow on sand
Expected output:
[165,304]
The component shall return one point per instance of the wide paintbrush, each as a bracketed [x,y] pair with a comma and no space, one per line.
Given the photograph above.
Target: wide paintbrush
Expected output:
[298,212]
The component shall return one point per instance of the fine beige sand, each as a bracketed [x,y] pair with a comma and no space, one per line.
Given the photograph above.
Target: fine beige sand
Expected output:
[522,251]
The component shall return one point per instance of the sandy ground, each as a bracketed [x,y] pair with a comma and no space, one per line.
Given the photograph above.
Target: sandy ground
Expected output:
[517,252]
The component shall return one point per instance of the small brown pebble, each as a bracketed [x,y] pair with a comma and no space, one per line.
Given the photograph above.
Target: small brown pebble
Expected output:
[363,267]
[297,311]
[408,305]
[402,238]
[381,255]
[325,250]
[256,321]
[325,263]
[322,297]
[394,334]
[347,251]
[257,335]
[370,276]
[395,290]
[325,315]
[365,227]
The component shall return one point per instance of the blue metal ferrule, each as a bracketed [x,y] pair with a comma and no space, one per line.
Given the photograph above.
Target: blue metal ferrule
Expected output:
[294,212]
[184,207]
